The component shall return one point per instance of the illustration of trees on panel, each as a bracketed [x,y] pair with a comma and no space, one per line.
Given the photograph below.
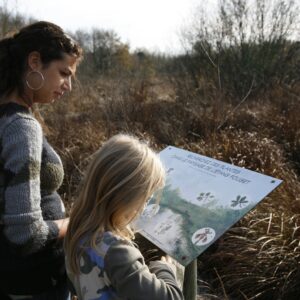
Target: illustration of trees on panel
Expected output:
[214,220]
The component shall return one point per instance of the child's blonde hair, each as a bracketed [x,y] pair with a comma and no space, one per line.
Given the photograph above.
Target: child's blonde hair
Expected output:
[121,177]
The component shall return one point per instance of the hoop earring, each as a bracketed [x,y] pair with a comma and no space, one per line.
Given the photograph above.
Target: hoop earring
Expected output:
[42,80]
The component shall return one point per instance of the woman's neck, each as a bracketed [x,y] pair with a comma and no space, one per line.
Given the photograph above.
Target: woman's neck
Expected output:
[15,98]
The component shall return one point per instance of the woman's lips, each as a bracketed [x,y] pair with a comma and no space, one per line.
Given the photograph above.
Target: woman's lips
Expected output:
[58,94]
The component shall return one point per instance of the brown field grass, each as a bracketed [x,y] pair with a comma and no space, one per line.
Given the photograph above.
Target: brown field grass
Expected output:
[259,257]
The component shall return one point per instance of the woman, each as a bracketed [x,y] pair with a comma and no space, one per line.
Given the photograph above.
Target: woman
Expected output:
[36,66]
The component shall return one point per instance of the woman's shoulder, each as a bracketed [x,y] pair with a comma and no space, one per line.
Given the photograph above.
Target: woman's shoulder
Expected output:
[13,109]
[15,117]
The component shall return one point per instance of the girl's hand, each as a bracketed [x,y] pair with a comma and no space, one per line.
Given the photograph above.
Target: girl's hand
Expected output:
[168,259]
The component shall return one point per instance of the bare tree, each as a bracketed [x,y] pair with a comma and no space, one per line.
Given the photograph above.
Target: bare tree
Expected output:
[247,44]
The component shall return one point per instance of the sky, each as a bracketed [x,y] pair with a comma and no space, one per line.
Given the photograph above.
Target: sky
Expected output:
[151,24]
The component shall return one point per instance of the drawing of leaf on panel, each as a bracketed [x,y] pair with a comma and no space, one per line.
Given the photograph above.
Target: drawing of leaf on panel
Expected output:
[205,197]
[239,202]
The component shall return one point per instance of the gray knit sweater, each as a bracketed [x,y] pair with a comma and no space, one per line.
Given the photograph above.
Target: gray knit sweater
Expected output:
[30,174]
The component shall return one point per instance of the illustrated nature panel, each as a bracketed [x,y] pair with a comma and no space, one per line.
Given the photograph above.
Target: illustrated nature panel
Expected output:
[203,197]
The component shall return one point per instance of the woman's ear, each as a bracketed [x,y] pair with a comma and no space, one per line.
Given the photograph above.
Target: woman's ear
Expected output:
[34,60]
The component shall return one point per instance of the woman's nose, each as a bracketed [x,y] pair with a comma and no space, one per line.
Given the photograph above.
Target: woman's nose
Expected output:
[67,85]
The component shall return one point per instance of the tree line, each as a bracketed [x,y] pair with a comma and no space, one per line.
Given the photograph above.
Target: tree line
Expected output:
[246,47]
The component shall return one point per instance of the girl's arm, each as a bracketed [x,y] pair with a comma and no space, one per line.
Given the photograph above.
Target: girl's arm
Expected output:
[132,279]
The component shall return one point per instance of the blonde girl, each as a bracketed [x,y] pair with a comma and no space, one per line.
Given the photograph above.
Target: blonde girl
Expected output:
[102,262]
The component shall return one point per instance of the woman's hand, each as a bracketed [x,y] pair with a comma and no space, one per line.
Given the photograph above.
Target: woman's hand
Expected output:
[62,225]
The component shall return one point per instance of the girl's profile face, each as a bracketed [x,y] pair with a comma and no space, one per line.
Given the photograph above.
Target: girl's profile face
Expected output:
[130,215]
[57,79]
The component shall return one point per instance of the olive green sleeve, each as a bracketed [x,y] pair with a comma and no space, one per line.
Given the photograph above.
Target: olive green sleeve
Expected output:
[133,280]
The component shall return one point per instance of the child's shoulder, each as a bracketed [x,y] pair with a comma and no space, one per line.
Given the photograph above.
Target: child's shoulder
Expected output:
[109,239]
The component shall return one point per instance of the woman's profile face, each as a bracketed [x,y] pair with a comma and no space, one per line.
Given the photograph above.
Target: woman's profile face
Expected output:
[57,79]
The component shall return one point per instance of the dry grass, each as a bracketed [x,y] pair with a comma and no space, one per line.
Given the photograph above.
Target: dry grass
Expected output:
[259,257]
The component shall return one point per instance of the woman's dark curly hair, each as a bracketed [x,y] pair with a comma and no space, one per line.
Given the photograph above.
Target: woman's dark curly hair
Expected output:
[44,37]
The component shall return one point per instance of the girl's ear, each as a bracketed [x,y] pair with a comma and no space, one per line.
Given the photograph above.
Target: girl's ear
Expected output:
[34,60]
